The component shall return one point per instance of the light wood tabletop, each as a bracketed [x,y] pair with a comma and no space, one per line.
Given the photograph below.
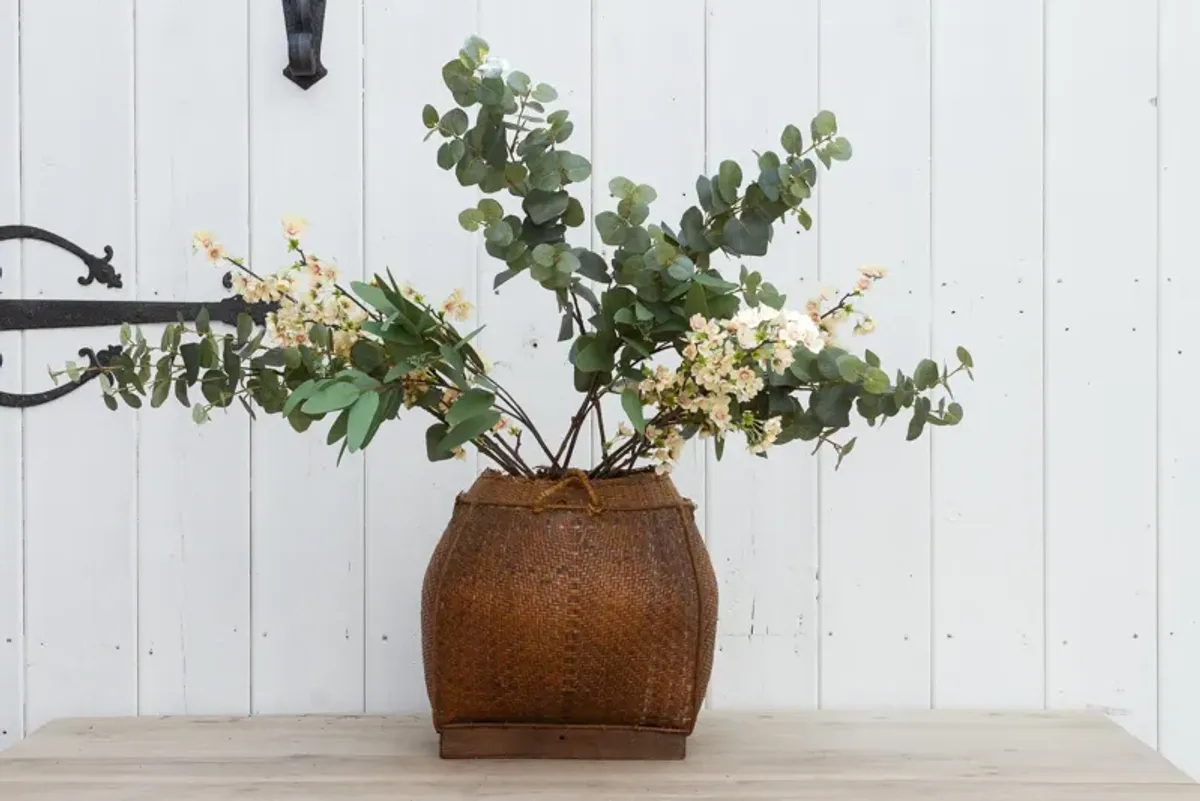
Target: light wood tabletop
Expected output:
[833,756]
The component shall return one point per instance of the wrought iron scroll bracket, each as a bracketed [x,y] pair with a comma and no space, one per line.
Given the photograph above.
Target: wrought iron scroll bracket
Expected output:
[31,315]
[305,22]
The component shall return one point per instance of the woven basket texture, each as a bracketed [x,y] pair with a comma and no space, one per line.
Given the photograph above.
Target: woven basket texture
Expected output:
[569,602]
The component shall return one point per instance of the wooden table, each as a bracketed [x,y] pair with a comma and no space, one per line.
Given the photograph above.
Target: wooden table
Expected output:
[817,755]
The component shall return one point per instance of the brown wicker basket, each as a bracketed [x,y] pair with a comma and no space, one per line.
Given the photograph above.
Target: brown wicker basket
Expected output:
[568,618]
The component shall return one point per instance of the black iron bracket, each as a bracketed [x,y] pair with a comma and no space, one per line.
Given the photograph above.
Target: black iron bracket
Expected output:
[31,315]
[305,22]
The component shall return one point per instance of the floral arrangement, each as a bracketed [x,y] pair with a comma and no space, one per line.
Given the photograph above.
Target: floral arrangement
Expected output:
[739,360]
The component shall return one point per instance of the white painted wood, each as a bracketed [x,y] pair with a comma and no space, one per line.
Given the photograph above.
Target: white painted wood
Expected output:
[987,295]
[11,346]
[306,512]
[1178,463]
[634,40]
[794,756]
[550,40]
[193,525]
[875,511]
[765,561]
[408,500]
[80,467]
[1100,499]
[96,553]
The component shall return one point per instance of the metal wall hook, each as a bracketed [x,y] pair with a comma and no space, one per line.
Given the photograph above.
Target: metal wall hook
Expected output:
[305,21]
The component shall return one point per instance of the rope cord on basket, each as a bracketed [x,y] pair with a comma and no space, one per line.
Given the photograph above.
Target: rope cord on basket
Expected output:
[594,507]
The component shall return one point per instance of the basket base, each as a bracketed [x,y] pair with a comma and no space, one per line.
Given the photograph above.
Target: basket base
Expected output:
[499,741]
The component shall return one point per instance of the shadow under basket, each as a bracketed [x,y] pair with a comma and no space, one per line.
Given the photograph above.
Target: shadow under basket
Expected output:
[568,619]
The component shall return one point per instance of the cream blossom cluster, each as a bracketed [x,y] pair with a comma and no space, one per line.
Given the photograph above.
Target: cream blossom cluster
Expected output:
[725,364]
[845,310]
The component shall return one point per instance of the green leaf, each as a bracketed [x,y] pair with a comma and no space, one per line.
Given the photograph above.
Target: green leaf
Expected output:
[191,361]
[545,206]
[468,430]
[729,178]
[622,188]
[162,389]
[566,328]
[953,415]
[203,325]
[181,391]
[331,398]
[518,82]
[455,121]
[544,255]
[613,230]
[429,116]
[632,405]
[875,381]
[832,405]
[844,451]
[499,234]
[567,262]
[490,210]
[373,296]
[719,447]
[199,413]
[574,216]
[964,357]
[804,364]
[926,374]
[850,368]
[558,117]
[338,429]
[792,140]
[576,167]
[697,301]
[839,149]
[470,219]
[704,191]
[643,195]
[593,354]
[916,425]
[362,419]
[824,124]
[245,327]
[469,404]
[433,437]
[804,218]
[871,358]
[592,266]
[450,153]
[692,229]
[544,93]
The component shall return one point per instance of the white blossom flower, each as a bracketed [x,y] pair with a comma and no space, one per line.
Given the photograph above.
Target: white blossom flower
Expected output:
[294,227]
[456,307]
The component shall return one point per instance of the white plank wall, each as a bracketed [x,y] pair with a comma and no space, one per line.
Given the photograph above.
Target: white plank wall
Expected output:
[408,503]
[766,562]
[11,345]
[987,290]
[875,512]
[1100,495]
[80,461]
[193,557]
[1179,430]
[307,598]
[1024,169]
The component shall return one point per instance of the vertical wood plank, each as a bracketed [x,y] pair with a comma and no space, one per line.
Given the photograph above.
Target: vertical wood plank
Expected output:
[1100,313]
[1179,344]
[762,514]
[875,511]
[80,461]
[11,345]
[306,512]
[550,40]
[409,500]
[194,525]
[633,41]
[987,289]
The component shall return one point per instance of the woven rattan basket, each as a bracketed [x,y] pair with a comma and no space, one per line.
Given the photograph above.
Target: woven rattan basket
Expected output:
[568,618]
